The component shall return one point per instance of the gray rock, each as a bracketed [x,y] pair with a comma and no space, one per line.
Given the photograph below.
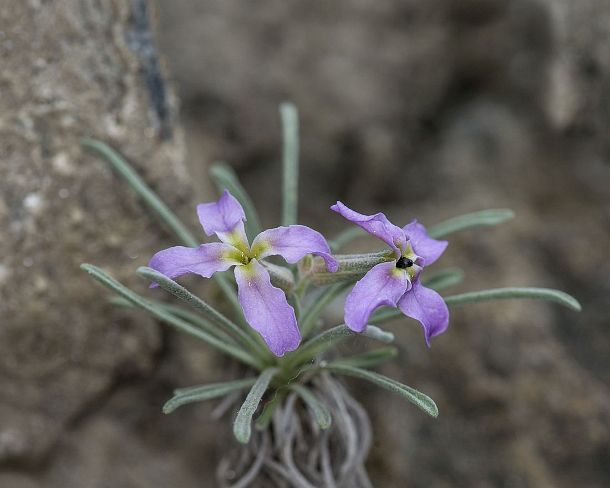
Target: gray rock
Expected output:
[72,69]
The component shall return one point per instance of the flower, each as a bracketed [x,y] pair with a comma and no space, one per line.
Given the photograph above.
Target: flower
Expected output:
[265,306]
[396,283]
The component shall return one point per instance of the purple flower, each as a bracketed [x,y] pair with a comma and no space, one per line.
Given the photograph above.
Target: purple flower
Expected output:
[265,306]
[396,283]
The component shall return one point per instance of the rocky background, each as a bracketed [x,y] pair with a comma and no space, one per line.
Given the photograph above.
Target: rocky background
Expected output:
[420,109]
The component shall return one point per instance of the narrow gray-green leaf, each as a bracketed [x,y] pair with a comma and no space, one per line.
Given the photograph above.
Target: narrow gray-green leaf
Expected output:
[225,179]
[417,398]
[467,221]
[443,279]
[547,294]
[242,428]
[132,178]
[318,410]
[211,313]
[369,358]
[194,394]
[264,419]
[513,293]
[290,187]
[167,317]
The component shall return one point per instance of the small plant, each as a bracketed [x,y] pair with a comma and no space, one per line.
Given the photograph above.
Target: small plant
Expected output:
[309,430]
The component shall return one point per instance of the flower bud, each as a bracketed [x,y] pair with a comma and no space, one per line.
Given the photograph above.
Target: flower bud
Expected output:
[351,267]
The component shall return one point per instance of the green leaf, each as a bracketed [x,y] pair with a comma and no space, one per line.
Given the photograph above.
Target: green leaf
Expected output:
[318,410]
[264,419]
[290,187]
[548,294]
[476,219]
[210,313]
[369,358]
[143,190]
[225,179]
[167,317]
[417,398]
[331,337]
[242,427]
[444,278]
[194,394]
[345,237]
[311,314]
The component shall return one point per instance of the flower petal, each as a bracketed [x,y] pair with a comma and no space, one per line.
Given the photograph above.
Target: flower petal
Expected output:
[384,284]
[204,260]
[377,225]
[428,307]
[293,243]
[266,308]
[423,245]
[221,216]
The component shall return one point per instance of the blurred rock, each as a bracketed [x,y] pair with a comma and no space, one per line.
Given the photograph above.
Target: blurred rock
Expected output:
[72,69]
[429,109]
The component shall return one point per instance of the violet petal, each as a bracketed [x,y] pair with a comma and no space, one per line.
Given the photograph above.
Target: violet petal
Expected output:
[266,308]
[384,284]
[293,243]
[204,260]
[423,245]
[377,225]
[221,216]
[426,306]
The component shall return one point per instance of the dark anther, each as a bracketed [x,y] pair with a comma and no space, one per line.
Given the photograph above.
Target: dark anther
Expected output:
[403,263]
